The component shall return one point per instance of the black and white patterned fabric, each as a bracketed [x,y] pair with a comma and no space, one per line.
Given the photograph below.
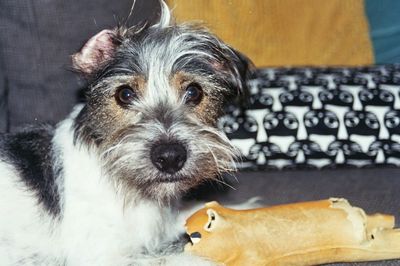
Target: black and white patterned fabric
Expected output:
[318,118]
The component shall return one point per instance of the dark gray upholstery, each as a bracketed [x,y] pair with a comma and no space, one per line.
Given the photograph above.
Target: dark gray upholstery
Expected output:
[3,101]
[36,39]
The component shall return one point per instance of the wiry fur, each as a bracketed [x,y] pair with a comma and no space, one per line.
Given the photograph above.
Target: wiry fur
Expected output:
[87,192]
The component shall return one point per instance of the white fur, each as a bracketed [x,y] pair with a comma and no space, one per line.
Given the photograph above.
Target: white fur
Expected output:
[96,226]
[24,228]
[165,16]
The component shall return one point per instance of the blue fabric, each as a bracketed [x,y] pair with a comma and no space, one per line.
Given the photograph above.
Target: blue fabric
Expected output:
[384,23]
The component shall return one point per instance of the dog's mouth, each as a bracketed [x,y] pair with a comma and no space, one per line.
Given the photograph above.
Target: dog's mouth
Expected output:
[171,179]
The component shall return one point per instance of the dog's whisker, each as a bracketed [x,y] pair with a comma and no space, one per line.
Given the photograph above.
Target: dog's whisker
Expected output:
[224,183]
[221,164]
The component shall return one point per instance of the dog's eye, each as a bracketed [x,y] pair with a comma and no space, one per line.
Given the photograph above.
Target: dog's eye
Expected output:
[125,95]
[194,93]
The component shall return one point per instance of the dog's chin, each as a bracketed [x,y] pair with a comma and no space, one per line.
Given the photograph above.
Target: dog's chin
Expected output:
[167,187]
[174,184]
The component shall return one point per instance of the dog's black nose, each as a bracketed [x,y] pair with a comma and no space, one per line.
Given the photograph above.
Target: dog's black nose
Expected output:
[168,158]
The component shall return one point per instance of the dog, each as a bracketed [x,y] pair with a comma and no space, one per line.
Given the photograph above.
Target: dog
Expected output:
[103,187]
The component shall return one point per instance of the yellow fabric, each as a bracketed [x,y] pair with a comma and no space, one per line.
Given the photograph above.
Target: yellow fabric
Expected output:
[286,32]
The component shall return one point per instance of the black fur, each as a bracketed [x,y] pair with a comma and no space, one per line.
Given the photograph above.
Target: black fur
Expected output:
[30,151]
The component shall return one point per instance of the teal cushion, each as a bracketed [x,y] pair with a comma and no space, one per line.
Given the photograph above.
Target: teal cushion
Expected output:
[384,23]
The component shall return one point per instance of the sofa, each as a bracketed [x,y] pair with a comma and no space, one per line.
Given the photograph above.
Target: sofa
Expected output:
[37,86]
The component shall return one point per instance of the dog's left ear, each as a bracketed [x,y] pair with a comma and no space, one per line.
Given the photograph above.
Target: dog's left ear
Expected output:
[245,69]
[241,69]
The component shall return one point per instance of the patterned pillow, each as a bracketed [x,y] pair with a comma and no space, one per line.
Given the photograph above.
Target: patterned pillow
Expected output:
[318,117]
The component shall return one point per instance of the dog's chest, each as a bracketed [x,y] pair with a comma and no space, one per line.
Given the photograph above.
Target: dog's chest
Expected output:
[106,231]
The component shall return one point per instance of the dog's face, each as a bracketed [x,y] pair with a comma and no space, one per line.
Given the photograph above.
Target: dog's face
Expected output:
[153,99]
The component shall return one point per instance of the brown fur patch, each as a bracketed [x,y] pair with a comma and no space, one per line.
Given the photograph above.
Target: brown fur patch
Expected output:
[105,111]
[210,106]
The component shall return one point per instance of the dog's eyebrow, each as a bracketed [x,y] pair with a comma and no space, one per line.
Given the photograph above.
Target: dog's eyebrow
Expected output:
[193,66]
[125,66]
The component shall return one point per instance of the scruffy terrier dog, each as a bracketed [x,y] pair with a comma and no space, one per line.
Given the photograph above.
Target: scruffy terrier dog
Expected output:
[103,186]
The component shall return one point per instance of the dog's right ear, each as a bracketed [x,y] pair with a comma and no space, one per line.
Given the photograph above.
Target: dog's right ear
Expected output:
[96,52]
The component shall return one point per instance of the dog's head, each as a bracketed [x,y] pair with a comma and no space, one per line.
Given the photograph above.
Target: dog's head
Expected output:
[154,95]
